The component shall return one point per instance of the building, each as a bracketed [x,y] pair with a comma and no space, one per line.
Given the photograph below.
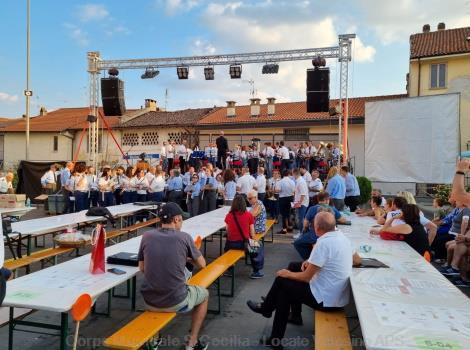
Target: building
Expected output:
[273,122]
[440,64]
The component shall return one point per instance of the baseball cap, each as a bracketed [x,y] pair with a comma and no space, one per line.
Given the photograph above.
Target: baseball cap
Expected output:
[170,210]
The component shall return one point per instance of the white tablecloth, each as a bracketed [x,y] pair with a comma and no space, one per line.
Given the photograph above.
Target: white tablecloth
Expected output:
[409,305]
[56,288]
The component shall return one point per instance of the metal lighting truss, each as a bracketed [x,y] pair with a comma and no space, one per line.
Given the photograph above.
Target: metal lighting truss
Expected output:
[95,65]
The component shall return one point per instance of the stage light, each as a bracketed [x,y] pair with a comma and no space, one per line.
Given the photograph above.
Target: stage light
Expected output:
[319,62]
[182,72]
[209,73]
[270,68]
[150,73]
[113,72]
[235,71]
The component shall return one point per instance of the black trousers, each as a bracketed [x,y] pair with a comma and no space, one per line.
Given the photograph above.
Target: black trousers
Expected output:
[352,202]
[284,165]
[170,164]
[253,165]
[182,165]
[284,208]
[286,294]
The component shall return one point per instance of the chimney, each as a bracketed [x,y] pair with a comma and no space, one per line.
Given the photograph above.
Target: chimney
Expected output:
[441,26]
[255,107]
[426,28]
[271,106]
[42,111]
[151,105]
[231,109]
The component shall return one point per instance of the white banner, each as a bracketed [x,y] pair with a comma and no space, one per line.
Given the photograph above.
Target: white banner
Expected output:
[412,139]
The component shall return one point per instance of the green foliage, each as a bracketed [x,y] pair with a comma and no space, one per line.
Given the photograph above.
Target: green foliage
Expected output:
[365,185]
[442,192]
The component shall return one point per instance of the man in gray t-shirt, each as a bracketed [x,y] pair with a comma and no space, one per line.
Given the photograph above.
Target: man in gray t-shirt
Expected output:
[163,255]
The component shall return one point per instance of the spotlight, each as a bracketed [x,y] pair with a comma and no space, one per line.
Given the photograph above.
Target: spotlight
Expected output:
[235,71]
[319,62]
[182,72]
[150,73]
[113,72]
[270,68]
[91,118]
[209,73]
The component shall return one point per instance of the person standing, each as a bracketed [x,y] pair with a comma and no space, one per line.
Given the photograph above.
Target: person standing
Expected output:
[253,159]
[273,197]
[246,183]
[353,192]
[209,192]
[49,180]
[92,187]
[128,191]
[105,186]
[163,158]
[163,255]
[65,175]
[261,184]
[80,187]
[285,188]
[301,200]
[157,186]
[175,187]
[182,153]
[222,148]
[315,186]
[268,154]
[283,153]
[230,186]
[193,191]
[170,154]
[140,184]
[118,185]
[336,187]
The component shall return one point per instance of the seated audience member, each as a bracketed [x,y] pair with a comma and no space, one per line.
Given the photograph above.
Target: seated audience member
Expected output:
[304,243]
[387,209]
[240,226]
[408,224]
[459,225]
[375,204]
[441,209]
[163,255]
[321,282]
[368,211]
[457,250]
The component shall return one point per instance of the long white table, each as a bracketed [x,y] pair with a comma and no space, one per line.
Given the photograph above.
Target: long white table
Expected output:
[409,305]
[56,288]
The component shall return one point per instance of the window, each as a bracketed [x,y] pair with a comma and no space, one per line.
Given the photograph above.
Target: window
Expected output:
[438,76]
[55,146]
[296,134]
[130,139]
[149,138]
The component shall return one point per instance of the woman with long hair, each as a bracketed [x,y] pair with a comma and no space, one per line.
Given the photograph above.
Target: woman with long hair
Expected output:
[157,186]
[240,226]
[106,188]
[80,187]
[230,186]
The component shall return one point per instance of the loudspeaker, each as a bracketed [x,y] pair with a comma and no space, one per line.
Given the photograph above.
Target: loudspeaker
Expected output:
[112,96]
[318,90]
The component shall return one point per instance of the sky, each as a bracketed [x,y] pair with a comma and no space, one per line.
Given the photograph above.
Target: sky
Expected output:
[62,32]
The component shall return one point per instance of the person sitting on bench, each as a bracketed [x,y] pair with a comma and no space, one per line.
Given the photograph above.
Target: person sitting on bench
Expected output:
[163,255]
[321,282]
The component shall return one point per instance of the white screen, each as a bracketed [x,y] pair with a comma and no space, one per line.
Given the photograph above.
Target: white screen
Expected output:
[412,139]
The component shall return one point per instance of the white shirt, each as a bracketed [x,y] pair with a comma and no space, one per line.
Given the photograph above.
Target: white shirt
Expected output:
[261,184]
[315,185]
[268,152]
[284,152]
[105,185]
[48,178]
[333,254]
[163,152]
[157,184]
[140,185]
[286,187]
[181,151]
[301,189]
[91,181]
[3,185]
[422,219]
[307,177]
[170,151]
[246,183]
[78,183]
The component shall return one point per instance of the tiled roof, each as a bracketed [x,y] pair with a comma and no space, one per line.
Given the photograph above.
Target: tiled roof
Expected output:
[290,111]
[186,117]
[7,121]
[59,120]
[440,43]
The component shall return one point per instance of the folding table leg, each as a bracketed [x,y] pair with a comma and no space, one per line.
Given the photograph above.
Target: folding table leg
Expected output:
[64,328]
[11,327]
[133,291]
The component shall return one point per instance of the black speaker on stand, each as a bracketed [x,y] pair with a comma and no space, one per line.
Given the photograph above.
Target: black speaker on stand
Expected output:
[318,90]
[112,96]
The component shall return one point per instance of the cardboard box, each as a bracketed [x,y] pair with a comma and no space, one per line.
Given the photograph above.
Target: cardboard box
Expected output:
[12,204]
[12,197]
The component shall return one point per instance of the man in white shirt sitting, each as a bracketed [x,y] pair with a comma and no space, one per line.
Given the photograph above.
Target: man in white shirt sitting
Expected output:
[321,282]
[261,184]
[246,183]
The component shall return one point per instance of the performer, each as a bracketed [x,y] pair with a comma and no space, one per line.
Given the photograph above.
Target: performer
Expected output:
[193,190]
[222,148]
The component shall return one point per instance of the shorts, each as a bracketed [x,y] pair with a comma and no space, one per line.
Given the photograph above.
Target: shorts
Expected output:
[6,273]
[196,296]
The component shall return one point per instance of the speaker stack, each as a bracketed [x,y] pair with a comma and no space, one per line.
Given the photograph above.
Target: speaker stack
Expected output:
[112,96]
[318,89]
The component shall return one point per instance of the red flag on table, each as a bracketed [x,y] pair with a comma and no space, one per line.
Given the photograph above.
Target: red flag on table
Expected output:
[97,263]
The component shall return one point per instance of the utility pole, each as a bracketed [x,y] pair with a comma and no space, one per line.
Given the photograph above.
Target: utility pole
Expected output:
[28,93]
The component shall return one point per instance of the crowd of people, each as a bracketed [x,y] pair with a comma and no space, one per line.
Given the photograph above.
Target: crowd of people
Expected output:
[291,192]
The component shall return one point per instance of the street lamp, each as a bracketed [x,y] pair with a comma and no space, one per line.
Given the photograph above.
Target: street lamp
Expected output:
[28,93]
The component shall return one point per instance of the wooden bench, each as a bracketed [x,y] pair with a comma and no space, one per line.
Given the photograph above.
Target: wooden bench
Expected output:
[331,331]
[113,235]
[269,226]
[39,256]
[145,326]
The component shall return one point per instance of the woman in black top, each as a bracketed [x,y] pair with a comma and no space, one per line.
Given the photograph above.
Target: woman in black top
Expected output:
[410,227]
